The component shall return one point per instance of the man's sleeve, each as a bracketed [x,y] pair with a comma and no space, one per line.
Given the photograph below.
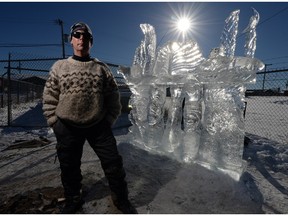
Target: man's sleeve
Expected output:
[51,98]
[112,99]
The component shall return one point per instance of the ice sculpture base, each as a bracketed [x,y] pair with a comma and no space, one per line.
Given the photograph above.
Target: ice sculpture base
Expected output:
[233,172]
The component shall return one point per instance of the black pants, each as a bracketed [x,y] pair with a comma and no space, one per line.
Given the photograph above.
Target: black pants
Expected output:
[70,141]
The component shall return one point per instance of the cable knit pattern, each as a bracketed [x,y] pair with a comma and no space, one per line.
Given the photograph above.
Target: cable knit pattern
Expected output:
[81,93]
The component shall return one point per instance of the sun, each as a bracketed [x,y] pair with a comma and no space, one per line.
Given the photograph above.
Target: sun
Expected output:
[183,24]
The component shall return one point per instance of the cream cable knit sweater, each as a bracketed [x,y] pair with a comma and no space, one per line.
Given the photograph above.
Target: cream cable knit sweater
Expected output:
[81,93]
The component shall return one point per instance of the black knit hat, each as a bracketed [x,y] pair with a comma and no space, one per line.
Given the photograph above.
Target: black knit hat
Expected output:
[81,26]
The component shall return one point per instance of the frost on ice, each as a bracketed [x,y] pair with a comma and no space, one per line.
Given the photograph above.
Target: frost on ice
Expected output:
[189,107]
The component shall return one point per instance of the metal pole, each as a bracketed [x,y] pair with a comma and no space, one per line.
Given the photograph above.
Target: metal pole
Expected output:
[18,83]
[62,34]
[60,22]
[9,91]
[2,91]
[264,76]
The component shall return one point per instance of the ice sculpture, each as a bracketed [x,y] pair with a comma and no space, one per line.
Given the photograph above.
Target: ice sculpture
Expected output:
[189,107]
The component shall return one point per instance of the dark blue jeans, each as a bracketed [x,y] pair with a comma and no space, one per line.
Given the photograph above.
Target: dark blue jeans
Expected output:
[70,141]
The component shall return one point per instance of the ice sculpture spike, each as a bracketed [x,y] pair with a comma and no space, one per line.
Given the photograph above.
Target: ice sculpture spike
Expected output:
[145,54]
[250,30]
[228,37]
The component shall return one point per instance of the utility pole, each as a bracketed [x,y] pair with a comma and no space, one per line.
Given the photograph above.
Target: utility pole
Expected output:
[60,22]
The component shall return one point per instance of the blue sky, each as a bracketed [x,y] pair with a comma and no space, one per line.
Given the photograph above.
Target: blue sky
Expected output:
[116,30]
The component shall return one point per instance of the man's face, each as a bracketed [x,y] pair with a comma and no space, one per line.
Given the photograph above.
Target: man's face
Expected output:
[81,41]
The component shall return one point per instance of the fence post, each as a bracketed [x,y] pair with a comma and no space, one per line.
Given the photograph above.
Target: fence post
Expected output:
[18,83]
[264,76]
[2,91]
[9,90]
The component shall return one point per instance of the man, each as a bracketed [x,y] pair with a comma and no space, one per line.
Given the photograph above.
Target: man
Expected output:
[81,102]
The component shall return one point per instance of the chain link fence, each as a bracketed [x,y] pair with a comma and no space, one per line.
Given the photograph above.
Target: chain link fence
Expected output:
[23,78]
[267,106]
[22,81]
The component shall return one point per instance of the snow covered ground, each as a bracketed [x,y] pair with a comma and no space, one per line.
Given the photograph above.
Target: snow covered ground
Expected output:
[268,117]
[30,177]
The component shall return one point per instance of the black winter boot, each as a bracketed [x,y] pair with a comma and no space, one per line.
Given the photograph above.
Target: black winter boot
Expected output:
[72,205]
[125,206]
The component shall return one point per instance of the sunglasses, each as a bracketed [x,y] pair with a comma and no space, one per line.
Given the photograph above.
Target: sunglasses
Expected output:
[84,34]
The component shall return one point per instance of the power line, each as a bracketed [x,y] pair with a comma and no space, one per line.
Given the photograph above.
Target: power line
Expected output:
[269,18]
[280,57]
[27,45]
[273,16]
[25,20]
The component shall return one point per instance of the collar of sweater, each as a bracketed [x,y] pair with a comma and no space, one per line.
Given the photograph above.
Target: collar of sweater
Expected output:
[80,63]
[82,59]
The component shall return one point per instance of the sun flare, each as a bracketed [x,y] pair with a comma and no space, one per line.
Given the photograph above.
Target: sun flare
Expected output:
[183,24]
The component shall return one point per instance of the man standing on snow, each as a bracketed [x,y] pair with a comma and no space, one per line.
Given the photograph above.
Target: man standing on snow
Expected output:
[81,102]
